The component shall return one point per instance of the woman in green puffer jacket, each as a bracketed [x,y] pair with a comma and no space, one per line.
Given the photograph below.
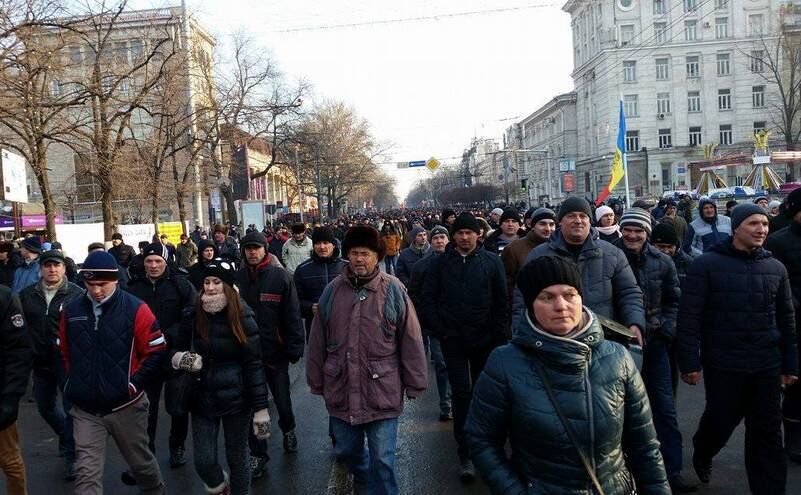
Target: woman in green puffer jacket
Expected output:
[597,387]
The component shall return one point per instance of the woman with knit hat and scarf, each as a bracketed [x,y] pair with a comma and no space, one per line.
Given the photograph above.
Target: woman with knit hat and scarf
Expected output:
[608,229]
[220,343]
[558,360]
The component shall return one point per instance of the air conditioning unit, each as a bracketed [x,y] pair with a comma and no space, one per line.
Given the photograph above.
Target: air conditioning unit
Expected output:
[660,116]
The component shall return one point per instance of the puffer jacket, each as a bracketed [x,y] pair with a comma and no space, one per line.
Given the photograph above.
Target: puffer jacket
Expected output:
[465,296]
[702,235]
[294,253]
[311,277]
[407,259]
[598,388]
[736,309]
[27,274]
[682,261]
[786,247]
[43,320]
[232,378]
[365,349]
[607,282]
[657,278]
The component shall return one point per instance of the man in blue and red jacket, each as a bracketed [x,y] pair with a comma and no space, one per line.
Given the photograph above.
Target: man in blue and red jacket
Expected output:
[112,349]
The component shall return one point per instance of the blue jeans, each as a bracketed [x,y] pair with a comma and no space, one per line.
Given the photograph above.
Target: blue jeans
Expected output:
[657,375]
[45,392]
[376,468]
[443,387]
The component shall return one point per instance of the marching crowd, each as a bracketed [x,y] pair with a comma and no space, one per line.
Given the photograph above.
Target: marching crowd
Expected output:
[558,336]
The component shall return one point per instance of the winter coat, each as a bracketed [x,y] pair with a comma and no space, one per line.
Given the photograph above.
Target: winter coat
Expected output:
[611,238]
[27,274]
[276,246]
[43,320]
[365,349]
[702,236]
[294,253]
[736,309]
[465,297]
[123,254]
[407,259]
[110,360]
[232,378]
[392,243]
[8,269]
[786,247]
[678,224]
[607,282]
[186,254]
[598,388]
[495,244]
[228,250]
[170,297]
[514,256]
[270,293]
[682,261]
[15,356]
[311,277]
[72,269]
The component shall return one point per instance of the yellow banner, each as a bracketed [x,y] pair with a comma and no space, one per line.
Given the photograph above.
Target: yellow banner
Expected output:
[173,230]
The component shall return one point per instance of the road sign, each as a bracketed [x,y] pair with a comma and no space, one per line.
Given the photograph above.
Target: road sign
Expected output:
[432,164]
[417,163]
[403,164]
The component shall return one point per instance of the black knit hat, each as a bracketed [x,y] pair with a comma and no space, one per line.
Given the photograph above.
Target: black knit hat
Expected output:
[743,211]
[573,204]
[363,236]
[447,212]
[510,214]
[542,214]
[156,249]
[116,236]
[323,234]
[466,220]
[664,233]
[298,228]
[792,204]
[207,243]
[222,269]
[546,271]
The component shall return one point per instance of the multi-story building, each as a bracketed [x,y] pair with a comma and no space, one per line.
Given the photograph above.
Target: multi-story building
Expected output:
[689,72]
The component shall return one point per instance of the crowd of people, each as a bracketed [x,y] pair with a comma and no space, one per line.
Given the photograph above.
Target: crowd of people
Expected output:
[558,335]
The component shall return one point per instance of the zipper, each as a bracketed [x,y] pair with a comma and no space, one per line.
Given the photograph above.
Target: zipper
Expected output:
[590,414]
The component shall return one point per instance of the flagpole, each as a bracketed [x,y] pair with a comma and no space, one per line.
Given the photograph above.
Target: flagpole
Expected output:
[626,179]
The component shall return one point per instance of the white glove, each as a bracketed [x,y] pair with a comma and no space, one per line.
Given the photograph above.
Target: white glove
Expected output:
[261,424]
[187,361]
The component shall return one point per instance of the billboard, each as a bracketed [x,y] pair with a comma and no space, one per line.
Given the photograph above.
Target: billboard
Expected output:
[15,177]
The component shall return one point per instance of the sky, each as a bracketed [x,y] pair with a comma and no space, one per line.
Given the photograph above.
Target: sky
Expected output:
[428,75]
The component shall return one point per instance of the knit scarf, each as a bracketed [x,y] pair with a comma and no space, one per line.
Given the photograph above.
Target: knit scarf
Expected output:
[214,303]
[612,229]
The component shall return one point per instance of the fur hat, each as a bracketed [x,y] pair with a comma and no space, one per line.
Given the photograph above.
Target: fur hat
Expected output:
[447,212]
[546,271]
[323,234]
[467,221]
[100,265]
[363,236]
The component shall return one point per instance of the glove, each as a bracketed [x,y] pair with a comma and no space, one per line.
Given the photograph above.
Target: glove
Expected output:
[187,361]
[261,424]
[8,414]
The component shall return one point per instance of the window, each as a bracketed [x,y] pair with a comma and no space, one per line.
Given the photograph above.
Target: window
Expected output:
[760,126]
[757,65]
[690,5]
[721,28]
[108,83]
[56,89]
[625,4]
[693,101]
[632,141]
[75,54]
[627,34]
[755,24]
[724,99]
[125,87]
[724,64]
[137,50]
[690,32]
[721,4]
[659,7]
[693,67]
[725,134]
[631,105]
[665,140]
[695,136]
[662,103]
[660,31]
[630,71]
[758,96]
[121,53]
[662,69]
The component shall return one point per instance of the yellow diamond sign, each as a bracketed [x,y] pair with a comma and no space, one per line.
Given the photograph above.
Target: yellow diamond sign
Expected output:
[432,164]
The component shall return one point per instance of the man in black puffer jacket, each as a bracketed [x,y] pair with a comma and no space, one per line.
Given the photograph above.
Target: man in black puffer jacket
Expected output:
[270,292]
[314,274]
[170,296]
[736,321]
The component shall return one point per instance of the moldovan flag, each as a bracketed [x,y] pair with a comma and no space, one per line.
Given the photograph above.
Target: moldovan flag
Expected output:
[617,161]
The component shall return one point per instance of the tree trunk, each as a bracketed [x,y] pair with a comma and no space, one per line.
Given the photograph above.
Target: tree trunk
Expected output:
[179,195]
[228,200]
[47,196]
[106,199]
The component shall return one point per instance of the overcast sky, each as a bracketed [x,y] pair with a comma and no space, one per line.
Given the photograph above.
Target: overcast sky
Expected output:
[428,85]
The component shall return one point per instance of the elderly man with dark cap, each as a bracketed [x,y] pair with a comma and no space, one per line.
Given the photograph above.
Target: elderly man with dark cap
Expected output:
[514,255]
[365,353]
[786,247]
[270,292]
[112,349]
[419,248]
[28,273]
[42,303]
[737,325]
[464,304]
[297,249]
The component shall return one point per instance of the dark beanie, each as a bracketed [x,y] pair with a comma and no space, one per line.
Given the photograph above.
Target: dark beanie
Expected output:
[546,271]
[573,204]
[363,236]
[466,220]
[440,230]
[528,213]
[116,236]
[510,214]
[207,243]
[222,269]
[664,233]
[298,228]
[323,234]
[413,233]
[542,214]
[743,211]
[100,265]
[447,212]
[156,249]
[33,244]
[792,205]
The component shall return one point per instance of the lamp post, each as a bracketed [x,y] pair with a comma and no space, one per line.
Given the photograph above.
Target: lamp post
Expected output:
[300,188]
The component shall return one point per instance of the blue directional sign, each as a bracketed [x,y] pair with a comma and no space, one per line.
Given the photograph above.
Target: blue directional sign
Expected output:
[418,163]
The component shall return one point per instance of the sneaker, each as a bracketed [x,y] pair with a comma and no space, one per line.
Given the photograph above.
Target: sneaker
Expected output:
[128,479]
[679,485]
[69,471]
[446,416]
[258,467]
[290,442]
[703,468]
[467,471]
[177,456]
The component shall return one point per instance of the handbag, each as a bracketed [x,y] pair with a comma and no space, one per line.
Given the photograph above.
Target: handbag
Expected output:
[180,389]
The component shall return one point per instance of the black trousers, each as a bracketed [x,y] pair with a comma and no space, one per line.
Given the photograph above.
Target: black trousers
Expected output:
[278,381]
[179,427]
[730,397]
[464,364]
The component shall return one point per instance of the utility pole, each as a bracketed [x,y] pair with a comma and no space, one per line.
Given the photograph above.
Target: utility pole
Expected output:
[198,193]
[300,189]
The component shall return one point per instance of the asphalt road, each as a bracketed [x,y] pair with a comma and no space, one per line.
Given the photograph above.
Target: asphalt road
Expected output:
[426,458]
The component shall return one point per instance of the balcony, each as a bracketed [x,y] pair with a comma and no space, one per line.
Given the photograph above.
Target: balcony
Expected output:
[790,15]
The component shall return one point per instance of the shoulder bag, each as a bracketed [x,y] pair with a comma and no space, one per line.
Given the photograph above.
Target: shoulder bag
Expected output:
[180,389]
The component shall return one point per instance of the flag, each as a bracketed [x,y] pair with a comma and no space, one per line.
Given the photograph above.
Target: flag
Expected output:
[617,161]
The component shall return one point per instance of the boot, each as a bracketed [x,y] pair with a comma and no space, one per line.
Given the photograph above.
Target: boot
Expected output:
[224,488]
[792,440]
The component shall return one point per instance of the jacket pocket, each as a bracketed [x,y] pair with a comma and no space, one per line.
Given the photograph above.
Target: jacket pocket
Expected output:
[335,386]
[383,390]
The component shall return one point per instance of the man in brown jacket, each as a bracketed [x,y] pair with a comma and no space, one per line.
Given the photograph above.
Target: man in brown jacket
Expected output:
[543,223]
[365,351]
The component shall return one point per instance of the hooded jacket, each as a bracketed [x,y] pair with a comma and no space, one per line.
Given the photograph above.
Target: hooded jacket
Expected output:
[408,258]
[598,388]
[294,253]
[312,276]
[704,234]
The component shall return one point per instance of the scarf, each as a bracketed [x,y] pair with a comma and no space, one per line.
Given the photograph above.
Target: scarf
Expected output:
[359,282]
[612,229]
[213,304]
